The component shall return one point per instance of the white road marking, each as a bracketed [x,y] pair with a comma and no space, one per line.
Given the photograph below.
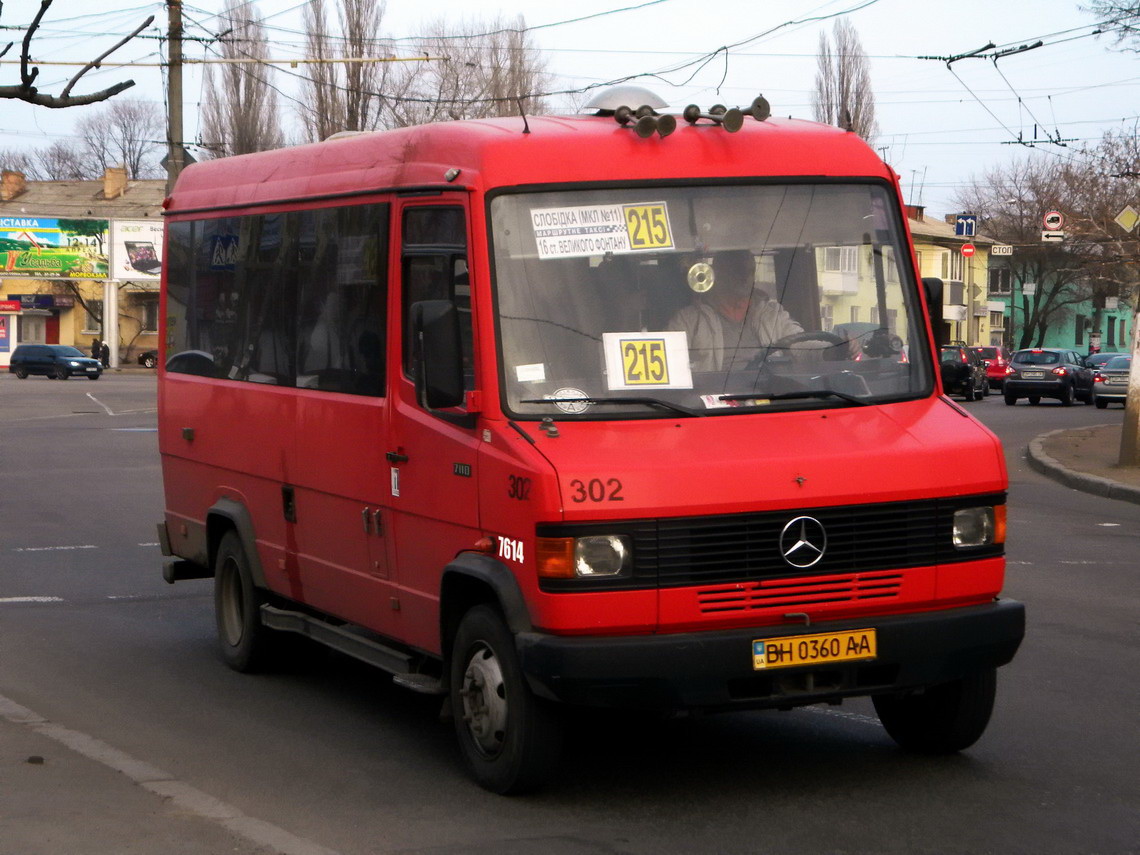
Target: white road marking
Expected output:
[101,404]
[161,783]
[31,599]
[53,548]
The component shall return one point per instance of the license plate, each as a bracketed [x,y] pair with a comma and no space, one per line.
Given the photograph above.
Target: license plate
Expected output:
[1032,375]
[824,647]
[1116,381]
[89,368]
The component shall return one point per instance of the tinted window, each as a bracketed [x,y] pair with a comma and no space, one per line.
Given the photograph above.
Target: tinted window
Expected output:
[1118,363]
[1037,357]
[66,350]
[285,299]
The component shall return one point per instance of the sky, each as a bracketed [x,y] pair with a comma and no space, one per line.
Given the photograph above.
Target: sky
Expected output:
[940,125]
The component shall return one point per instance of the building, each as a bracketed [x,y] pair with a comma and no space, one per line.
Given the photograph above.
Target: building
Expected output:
[68,246]
[968,312]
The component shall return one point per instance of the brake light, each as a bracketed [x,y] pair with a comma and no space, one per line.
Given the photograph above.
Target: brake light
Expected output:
[1060,371]
[1009,370]
[1098,378]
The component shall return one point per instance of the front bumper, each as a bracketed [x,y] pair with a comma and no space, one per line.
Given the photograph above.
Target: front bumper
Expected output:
[713,670]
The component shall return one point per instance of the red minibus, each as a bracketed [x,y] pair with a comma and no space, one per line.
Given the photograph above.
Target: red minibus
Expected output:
[606,411]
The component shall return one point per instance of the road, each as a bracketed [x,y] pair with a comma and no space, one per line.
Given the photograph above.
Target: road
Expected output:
[149,744]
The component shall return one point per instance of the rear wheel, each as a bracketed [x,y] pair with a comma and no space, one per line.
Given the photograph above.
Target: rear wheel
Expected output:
[21,373]
[1010,399]
[1068,396]
[244,641]
[970,394]
[510,738]
[941,719]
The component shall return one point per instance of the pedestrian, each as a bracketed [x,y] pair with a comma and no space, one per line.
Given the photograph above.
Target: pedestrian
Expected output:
[96,348]
[105,355]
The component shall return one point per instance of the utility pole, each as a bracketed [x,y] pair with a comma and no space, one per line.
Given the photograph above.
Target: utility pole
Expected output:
[1130,431]
[175,155]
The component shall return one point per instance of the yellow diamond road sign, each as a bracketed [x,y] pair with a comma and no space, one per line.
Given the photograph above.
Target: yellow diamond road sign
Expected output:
[1128,218]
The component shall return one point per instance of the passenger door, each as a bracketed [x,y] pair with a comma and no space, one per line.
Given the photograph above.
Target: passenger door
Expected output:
[431,456]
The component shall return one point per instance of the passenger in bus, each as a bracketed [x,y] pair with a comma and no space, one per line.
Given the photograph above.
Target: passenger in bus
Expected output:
[728,324]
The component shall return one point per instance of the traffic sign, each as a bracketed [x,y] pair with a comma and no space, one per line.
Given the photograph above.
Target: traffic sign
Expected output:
[1001,249]
[965,225]
[1052,237]
[968,249]
[1054,220]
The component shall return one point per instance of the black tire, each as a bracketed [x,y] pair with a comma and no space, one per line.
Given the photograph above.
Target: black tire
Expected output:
[510,739]
[1101,404]
[1010,399]
[1035,400]
[1068,395]
[968,393]
[21,373]
[985,388]
[1090,398]
[245,643]
[941,719]
[61,373]
[94,376]
[150,362]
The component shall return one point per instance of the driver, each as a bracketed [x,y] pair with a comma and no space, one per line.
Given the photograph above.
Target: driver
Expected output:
[729,323]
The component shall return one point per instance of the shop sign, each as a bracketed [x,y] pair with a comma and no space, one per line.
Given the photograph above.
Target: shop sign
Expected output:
[49,248]
[136,250]
[9,305]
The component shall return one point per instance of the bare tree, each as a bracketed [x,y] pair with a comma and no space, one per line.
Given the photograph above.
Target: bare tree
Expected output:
[239,110]
[495,71]
[1119,19]
[843,94]
[63,160]
[15,160]
[26,89]
[343,96]
[124,132]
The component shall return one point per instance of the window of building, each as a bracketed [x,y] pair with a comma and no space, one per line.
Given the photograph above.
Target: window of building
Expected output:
[1000,280]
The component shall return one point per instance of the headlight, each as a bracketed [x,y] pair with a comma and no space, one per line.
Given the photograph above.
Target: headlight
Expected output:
[976,527]
[591,557]
[73,364]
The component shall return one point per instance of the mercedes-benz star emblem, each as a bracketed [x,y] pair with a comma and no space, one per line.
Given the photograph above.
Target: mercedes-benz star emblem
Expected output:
[803,542]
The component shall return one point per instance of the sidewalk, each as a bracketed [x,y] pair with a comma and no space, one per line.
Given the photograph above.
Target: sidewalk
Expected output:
[1086,459]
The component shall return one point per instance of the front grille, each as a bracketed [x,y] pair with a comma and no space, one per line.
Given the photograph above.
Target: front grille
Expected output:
[744,548]
[798,593]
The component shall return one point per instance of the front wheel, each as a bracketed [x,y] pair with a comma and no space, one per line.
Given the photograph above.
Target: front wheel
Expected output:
[61,373]
[244,641]
[510,738]
[149,362]
[941,719]
[93,376]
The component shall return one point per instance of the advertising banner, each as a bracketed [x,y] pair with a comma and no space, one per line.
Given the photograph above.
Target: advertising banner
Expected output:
[5,338]
[136,250]
[47,248]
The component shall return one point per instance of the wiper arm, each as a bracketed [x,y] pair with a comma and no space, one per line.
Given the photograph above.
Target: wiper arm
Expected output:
[630,399]
[798,395]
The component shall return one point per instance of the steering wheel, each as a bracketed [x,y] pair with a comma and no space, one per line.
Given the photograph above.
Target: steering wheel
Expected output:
[809,335]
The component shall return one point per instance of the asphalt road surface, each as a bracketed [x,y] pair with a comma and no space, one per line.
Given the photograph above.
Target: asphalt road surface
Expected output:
[121,730]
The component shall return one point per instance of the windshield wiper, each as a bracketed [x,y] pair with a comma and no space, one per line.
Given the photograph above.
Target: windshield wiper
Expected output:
[792,396]
[586,399]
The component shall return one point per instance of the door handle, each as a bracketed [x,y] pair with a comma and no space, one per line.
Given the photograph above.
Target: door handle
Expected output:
[396,457]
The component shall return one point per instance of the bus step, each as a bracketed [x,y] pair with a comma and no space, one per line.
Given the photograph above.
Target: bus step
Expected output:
[425,684]
[349,640]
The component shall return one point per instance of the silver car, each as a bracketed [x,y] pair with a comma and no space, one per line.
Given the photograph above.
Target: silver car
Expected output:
[1111,382]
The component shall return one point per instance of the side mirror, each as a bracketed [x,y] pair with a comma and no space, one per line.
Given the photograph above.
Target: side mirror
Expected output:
[437,354]
[932,288]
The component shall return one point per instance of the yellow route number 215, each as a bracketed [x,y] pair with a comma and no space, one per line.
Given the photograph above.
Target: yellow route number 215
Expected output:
[648,226]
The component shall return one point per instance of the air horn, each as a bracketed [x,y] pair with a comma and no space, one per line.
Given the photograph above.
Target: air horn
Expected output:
[733,120]
[646,121]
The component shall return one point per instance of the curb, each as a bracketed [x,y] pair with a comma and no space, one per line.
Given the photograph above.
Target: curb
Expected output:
[1053,468]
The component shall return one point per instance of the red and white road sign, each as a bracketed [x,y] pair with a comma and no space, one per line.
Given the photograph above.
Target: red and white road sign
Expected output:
[1053,220]
[968,249]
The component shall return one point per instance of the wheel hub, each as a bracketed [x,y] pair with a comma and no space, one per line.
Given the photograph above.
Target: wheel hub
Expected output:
[485,701]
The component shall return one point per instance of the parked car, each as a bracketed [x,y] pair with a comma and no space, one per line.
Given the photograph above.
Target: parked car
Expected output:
[963,372]
[1048,372]
[148,358]
[55,361]
[1110,383]
[1097,360]
[996,359]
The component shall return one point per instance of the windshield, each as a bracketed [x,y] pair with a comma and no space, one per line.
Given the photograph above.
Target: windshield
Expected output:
[704,300]
[66,350]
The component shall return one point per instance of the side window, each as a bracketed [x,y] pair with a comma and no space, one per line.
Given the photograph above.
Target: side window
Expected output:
[342,289]
[435,268]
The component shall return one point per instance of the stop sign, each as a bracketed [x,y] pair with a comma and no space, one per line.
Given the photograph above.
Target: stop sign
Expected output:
[968,249]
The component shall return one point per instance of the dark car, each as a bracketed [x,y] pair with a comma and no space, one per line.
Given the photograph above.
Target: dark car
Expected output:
[1110,383]
[148,358]
[996,359]
[1096,361]
[55,361]
[1048,372]
[963,372]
